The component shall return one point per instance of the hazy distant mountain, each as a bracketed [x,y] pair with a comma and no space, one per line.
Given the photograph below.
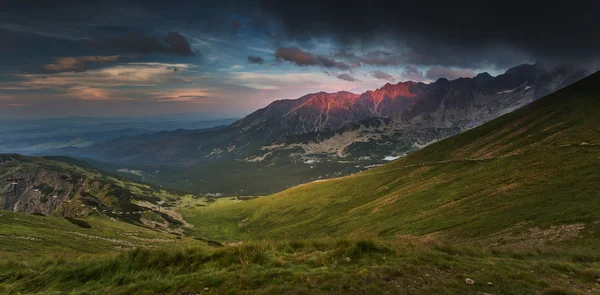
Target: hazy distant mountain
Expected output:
[46,135]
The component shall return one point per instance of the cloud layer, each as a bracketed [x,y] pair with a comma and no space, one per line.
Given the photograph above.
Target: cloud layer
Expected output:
[125,56]
[347,77]
[303,58]
[80,63]
[382,75]
[136,43]
[447,33]
[255,59]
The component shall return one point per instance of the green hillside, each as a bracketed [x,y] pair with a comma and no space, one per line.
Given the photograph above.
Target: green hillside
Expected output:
[530,173]
[62,186]
[23,236]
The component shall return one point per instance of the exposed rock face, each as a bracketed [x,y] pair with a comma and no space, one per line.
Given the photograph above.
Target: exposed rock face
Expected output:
[412,115]
[321,111]
[40,191]
[459,103]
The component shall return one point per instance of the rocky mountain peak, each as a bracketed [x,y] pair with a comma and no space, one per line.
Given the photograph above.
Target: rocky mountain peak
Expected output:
[393,91]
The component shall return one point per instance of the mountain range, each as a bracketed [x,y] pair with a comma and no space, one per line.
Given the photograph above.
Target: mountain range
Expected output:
[508,207]
[322,135]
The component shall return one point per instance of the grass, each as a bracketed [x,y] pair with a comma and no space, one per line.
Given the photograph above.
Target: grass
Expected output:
[217,221]
[23,236]
[512,205]
[531,173]
[323,266]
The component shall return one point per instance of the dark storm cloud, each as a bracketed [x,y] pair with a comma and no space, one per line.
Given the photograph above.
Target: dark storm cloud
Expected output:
[387,60]
[255,59]
[382,75]
[413,74]
[177,44]
[347,77]
[303,58]
[451,33]
[344,54]
[136,43]
[297,56]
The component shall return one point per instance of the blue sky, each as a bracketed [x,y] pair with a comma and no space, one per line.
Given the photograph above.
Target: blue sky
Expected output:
[224,58]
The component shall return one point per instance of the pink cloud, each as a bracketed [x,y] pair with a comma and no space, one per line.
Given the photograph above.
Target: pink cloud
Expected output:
[86,93]
[303,58]
[80,63]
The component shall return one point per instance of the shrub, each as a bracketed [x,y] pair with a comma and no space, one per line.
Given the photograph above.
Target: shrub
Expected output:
[364,247]
[78,222]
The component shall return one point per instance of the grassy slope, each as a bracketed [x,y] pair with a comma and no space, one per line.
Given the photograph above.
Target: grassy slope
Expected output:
[534,168]
[495,183]
[78,169]
[25,235]
[321,266]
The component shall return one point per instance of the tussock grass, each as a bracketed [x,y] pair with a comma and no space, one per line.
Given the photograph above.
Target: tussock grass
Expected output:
[306,267]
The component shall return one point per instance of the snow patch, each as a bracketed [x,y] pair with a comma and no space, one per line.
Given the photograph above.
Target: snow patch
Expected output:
[258,158]
[512,90]
[507,91]
[373,166]
[130,171]
[391,158]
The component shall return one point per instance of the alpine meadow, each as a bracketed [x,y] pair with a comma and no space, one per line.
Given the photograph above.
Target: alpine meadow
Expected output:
[299,147]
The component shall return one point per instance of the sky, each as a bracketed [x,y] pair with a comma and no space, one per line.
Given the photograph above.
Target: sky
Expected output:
[228,58]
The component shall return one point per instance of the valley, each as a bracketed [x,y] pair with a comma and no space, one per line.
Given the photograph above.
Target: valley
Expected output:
[508,207]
